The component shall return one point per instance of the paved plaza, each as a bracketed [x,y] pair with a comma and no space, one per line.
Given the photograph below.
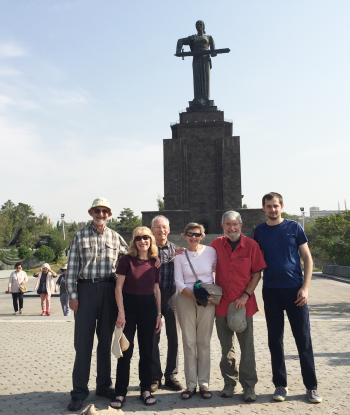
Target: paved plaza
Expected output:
[37,357]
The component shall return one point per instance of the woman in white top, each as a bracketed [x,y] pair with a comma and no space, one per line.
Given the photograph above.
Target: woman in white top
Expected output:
[17,277]
[196,321]
[45,287]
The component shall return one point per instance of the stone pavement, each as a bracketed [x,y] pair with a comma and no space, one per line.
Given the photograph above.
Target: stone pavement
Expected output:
[37,356]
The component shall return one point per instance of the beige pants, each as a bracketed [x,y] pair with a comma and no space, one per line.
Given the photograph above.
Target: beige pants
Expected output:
[196,324]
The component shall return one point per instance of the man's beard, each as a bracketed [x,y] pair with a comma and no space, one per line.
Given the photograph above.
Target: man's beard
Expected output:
[233,236]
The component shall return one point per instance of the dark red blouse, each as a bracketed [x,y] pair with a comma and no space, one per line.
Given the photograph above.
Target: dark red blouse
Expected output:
[140,275]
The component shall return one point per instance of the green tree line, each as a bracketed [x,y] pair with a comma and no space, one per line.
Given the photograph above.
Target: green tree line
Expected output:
[23,234]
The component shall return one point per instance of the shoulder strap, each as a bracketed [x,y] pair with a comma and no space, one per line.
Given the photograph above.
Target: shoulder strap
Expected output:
[191,266]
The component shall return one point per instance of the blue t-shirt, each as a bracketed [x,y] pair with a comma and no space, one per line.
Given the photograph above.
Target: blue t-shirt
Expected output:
[280,245]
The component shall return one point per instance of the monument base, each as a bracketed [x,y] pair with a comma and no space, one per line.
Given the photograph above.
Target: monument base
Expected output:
[179,219]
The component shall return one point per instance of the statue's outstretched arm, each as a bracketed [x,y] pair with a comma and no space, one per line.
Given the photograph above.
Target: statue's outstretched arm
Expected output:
[181,42]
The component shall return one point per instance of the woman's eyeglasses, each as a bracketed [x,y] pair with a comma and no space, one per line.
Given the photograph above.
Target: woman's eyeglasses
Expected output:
[195,234]
[142,238]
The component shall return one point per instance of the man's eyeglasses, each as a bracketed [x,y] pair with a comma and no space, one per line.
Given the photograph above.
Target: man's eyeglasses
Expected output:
[142,238]
[195,234]
[104,211]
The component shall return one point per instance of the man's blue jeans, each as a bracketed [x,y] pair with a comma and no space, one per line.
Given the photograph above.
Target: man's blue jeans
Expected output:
[276,300]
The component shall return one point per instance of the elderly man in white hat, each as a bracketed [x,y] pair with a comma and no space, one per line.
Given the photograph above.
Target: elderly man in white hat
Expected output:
[90,281]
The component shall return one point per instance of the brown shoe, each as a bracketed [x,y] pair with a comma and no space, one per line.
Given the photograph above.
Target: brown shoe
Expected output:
[205,393]
[155,385]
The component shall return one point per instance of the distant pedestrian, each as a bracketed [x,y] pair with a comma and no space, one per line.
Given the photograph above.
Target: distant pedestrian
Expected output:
[62,285]
[286,288]
[45,286]
[17,278]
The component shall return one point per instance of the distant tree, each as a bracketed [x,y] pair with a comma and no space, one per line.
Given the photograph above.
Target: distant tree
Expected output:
[330,238]
[126,222]
[160,203]
[24,252]
[45,253]
[57,243]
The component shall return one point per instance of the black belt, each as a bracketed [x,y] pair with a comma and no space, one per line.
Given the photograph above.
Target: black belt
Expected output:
[96,280]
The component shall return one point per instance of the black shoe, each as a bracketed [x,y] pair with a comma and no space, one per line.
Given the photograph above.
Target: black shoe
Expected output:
[172,384]
[108,393]
[75,405]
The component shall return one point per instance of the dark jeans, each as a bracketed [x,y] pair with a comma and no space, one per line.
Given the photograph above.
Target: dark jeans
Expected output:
[172,339]
[17,299]
[96,312]
[140,314]
[276,300]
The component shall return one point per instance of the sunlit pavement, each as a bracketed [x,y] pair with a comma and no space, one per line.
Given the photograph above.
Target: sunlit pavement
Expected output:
[37,356]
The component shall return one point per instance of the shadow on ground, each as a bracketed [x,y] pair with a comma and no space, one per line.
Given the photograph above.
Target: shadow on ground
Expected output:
[331,310]
[55,403]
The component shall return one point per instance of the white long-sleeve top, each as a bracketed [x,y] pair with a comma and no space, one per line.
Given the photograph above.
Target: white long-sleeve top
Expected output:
[203,262]
[15,279]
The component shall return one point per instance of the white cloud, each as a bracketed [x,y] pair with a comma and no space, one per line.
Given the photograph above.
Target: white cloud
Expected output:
[68,179]
[11,49]
[7,71]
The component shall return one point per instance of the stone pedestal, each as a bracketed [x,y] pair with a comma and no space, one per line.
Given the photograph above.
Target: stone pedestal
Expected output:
[202,171]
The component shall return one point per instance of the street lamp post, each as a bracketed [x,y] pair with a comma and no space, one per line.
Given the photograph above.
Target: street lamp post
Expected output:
[63,230]
[302,210]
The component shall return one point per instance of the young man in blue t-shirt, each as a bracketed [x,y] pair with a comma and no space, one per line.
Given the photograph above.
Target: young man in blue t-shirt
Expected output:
[285,287]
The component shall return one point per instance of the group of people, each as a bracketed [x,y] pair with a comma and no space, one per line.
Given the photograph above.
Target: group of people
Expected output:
[46,284]
[113,285]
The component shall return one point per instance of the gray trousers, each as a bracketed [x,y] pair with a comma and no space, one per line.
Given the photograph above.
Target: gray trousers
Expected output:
[196,324]
[247,368]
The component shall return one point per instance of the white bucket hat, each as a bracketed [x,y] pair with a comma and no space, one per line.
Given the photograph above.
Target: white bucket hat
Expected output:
[236,318]
[101,202]
[120,343]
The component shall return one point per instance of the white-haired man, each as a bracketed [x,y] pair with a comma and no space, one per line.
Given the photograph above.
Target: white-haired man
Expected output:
[238,271]
[90,281]
[167,251]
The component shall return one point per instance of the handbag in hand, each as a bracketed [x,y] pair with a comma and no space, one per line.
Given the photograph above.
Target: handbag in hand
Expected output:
[202,290]
[22,287]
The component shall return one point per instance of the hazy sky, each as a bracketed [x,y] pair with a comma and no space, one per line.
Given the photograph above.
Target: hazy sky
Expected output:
[88,90]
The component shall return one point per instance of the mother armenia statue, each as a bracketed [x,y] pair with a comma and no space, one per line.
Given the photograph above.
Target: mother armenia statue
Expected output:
[202,49]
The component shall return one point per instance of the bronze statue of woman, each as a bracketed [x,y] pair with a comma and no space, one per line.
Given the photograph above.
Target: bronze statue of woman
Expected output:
[202,47]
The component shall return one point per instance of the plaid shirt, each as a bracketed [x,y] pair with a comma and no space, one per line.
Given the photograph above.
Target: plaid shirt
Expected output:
[93,255]
[167,282]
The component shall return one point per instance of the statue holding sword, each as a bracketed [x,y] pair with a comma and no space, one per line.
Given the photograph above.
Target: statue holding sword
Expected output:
[202,49]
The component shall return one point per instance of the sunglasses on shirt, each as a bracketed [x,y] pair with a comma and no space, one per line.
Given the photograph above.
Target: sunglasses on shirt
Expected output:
[142,238]
[195,234]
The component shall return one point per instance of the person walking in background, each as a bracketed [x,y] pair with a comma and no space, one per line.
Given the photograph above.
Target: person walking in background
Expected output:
[196,321]
[167,251]
[139,308]
[17,280]
[92,261]
[286,288]
[45,286]
[238,272]
[62,286]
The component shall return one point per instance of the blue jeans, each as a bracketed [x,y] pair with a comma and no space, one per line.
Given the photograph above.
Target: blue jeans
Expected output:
[64,298]
[276,300]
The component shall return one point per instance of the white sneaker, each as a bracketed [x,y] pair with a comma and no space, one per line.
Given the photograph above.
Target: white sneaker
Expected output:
[280,394]
[313,396]
[15,313]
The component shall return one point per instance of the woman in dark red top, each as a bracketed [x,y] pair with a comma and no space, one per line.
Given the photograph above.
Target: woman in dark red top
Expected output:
[138,298]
